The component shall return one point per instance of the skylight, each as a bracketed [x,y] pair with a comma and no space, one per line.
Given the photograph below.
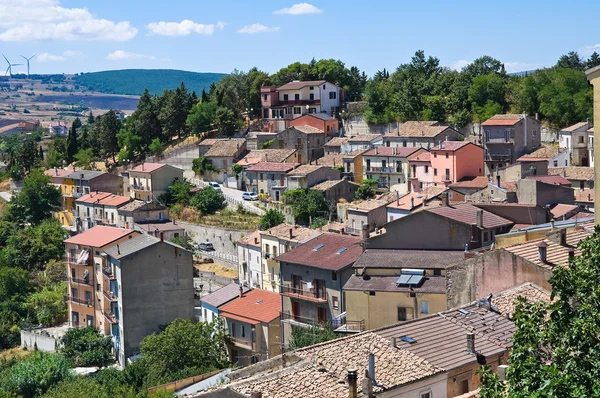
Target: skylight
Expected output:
[343,249]
[407,339]
[464,312]
[318,247]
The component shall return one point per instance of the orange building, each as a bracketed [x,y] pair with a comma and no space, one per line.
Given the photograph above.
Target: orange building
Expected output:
[454,160]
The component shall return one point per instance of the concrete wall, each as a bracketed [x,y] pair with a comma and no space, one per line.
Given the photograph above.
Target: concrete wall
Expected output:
[435,385]
[222,238]
[517,214]
[31,338]
[538,193]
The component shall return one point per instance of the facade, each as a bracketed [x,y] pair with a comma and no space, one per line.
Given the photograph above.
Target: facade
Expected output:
[138,211]
[307,176]
[414,201]
[327,124]
[421,134]
[508,137]
[590,139]
[150,180]
[225,153]
[364,141]
[366,216]
[556,157]
[453,161]
[353,165]
[337,145]
[593,76]
[98,208]
[389,166]
[250,272]
[256,156]
[421,173]
[164,229]
[336,190]
[269,179]
[575,141]
[209,304]
[308,142]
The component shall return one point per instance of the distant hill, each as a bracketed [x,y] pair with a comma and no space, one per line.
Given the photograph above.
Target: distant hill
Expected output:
[134,81]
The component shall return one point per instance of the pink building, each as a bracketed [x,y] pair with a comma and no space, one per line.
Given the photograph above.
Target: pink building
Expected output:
[454,160]
[421,172]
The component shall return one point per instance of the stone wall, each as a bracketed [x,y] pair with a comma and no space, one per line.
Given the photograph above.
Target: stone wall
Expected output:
[223,239]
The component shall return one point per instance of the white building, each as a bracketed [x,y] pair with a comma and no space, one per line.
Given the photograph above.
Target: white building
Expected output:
[250,262]
[210,303]
[574,139]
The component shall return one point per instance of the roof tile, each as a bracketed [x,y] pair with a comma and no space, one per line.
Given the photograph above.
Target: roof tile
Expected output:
[325,251]
[260,305]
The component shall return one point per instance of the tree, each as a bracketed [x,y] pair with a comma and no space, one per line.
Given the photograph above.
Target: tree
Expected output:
[35,374]
[366,190]
[201,117]
[200,165]
[226,121]
[184,241]
[572,60]
[484,65]
[144,122]
[593,60]
[237,170]
[271,218]
[78,387]
[49,306]
[57,152]
[156,147]
[72,145]
[305,336]
[54,273]
[84,159]
[15,285]
[36,201]
[90,119]
[107,129]
[27,155]
[184,348]
[208,200]
[179,192]
[487,92]
[87,347]
[130,144]
[306,204]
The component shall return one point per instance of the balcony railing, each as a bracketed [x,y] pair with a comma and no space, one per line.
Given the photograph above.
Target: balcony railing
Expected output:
[107,272]
[110,296]
[352,231]
[292,318]
[73,260]
[142,188]
[299,293]
[241,342]
[384,169]
[499,140]
[341,324]
[498,154]
[87,303]
[300,102]
[85,282]
[110,317]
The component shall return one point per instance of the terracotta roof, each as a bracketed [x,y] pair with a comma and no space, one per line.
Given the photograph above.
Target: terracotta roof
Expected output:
[327,251]
[561,210]
[133,205]
[555,253]
[387,283]
[99,236]
[552,179]
[305,170]
[148,167]
[266,155]
[573,173]
[506,301]
[441,339]
[320,116]
[503,120]
[226,148]
[585,195]
[104,199]
[368,205]
[541,154]
[419,129]
[337,141]
[576,126]
[58,172]
[298,234]
[479,182]
[509,186]
[364,138]
[160,226]
[331,160]
[420,157]
[272,167]
[451,145]
[223,295]
[296,85]
[421,259]
[590,130]
[207,142]
[251,239]
[308,129]
[259,305]
[403,203]
[401,152]
[582,215]
[325,185]
[467,214]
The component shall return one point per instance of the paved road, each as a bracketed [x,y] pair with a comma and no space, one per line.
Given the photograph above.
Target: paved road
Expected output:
[233,197]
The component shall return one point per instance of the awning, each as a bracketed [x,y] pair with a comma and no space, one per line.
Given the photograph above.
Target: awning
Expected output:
[83,256]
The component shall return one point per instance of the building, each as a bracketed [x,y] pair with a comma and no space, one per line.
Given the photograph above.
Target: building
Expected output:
[469,188]
[58,128]
[147,283]
[57,178]
[389,166]
[210,303]
[279,240]
[421,173]
[414,201]
[453,161]
[254,325]
[225,153]
[390,286]
[333,160]
[280,105]
[508,137]
[205,145]
[585,199]
[561,212]
[364,141]
[269,179]
[556,157]
[308,142]
[590,139]
[322,121]
[579,177]
[138,211]
[336,190]
[337,145]
[164,229]
[98,208]
[366,216]
[312,277]
[574,141]
[307,176]
[148,181]
[421,134]
[256,156]
[250,273]
[593,76]
[353,165]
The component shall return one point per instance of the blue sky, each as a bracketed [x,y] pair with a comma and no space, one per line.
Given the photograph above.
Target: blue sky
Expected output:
[219,35]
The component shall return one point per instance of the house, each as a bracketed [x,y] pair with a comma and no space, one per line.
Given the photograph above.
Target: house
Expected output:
[164,229]
[279,240]
[523,215]
[421,134]
[225,153]
[307,140]
[269,155]
[364,141]
[414,201]
[552,179]
[519,170]
[148,181]
[401,285]
[593,76]
[210,303]
[250,272]
[322,121]
[312,277]
[453,161]
[366,216]
[333,160]
[137,299]
[446,227]
[585,198]
[556,157]
[336,190]
[119,114]
[269,179]
[253,322]
[574,141]
[469,188]
[561,212]
[389,166]
[138,211]
[580,177]
[205,145]
[508,137]
[57,179]
[421,173]
[307,176]
[98,208]
[280,105]
[58,128]
[353,165]
[337,145]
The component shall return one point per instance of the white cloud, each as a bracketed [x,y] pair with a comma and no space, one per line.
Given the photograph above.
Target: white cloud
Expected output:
[183,28]
[461,63]
[257,28]
[28,20]
[512,67]
[299,9]
[47,57]
[589,50]
[72,53]
[120,55]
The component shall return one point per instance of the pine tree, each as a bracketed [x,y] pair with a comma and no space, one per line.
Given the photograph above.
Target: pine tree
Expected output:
[41,153]
[144,121]
[204,97]
[72,147]
[91,118]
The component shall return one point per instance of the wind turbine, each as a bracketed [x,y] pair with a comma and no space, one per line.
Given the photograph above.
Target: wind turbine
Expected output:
[28,59]
[9,70]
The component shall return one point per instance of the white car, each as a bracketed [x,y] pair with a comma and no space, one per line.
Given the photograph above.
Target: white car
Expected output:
[215,186]
[249,196]
[206,246]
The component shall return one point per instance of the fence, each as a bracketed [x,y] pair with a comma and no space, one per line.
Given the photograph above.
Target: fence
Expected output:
[230,258]
[40,339]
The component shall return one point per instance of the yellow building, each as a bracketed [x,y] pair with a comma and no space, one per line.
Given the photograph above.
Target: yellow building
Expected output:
[593,76]
[390,286]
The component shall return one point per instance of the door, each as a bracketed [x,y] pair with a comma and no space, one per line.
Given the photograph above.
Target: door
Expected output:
[320,289]
[295,310]
[296,283]
[75,318]
[276,196]
[321,315]
[89,320]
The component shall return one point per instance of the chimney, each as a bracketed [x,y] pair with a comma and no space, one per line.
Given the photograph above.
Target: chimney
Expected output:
[162,237]
[352,379]
[471,343]
[589,197]
[241,291]
[291,233]
[446,138]
[397,198]
[82,176]
[444,199]
[412,203]
[376,150]
[563,237]
[256,394]
[440,144]
[372,367]
[365,232]
[56,171]
[392,342]
[552,225]
[255,240]
[542,249]
[142,166]
[479,215]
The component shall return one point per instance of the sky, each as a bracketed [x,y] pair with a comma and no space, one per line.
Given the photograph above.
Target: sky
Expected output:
[71,36]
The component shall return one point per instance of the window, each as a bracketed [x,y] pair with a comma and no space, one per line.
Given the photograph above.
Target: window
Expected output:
[297,97]
[371,293]
[335,302]
[485,236]
[311,96]
[464,386]
[205,319]
[321,314]
[285,97]
[324,86]
[435,154]
[404,144]
[297,110]
[425,394]
[420,185]
[333,276]
[448,174]
[274,251]
[98,287]
[243,331]
[265,97]
[446,155]
[435,172]
[401,313]
[261,176]
[426,169]
[332,95]
[232,329]
[265,113]
[581,184]
[272,177]
[424,307]
[581,139]
[73,273]
[534,133]
[311,88]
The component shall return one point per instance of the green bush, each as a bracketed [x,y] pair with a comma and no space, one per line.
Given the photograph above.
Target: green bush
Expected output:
[208,201]
[32,376]
[271,219]
[87,347]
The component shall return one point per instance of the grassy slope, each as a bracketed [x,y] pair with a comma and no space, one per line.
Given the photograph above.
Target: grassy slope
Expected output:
[134,81]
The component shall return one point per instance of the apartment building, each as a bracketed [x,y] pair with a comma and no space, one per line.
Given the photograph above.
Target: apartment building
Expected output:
[453,161]
[250,271]
[353,165]
[421,172]
[98,208]
[150,180]
[389,166]
[420,134]
[210,303]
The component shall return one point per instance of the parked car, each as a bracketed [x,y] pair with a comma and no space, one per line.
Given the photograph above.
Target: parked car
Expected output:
[215,186]
[206,246]
[249,196]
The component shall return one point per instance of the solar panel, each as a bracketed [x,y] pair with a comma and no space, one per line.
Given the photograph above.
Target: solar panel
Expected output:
[403,280]
[464,312]
[407,339]
[318,247]
[415,279]
[343,249]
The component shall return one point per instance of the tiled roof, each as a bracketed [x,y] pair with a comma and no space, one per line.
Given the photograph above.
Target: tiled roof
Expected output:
[353,154]
[585,195]
[543,153]
[305,170]
[419,129]
[296,85]
[325,185]
[320,116]
[573,173]
[327,251]
[207,142]
[479,182]
[562,209]
[590,130]
[133,205]
[226,148]
[441,339]
[337,141]
[272,167]
[467,214]
[421,259]
[576,126]
[387,283]
[552,179]
[259,305]
[58,172]
[131,246]
[298,234]
[368,205]
[84,174]
[556,254]
[223,295]
[503,120]
[509,186]
[266,155]
[331,160]
[450,145]
[420,157]
[148,167]
[104,199]
[252,239]
[364,138]
[308,129]
[401,152]
[403,203]
[506,301]
[99,236]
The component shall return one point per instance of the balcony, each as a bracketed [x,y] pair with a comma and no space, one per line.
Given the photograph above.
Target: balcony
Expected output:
[499,140]
[384,170]
[300,102]
[73,260]
[71,193]
[107,272]
[75,300]
[308,295]
[110,317]
[85,282]
[140,188]
[110,296]
[498,154]
[341,325]
[242,342]
[297,320]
